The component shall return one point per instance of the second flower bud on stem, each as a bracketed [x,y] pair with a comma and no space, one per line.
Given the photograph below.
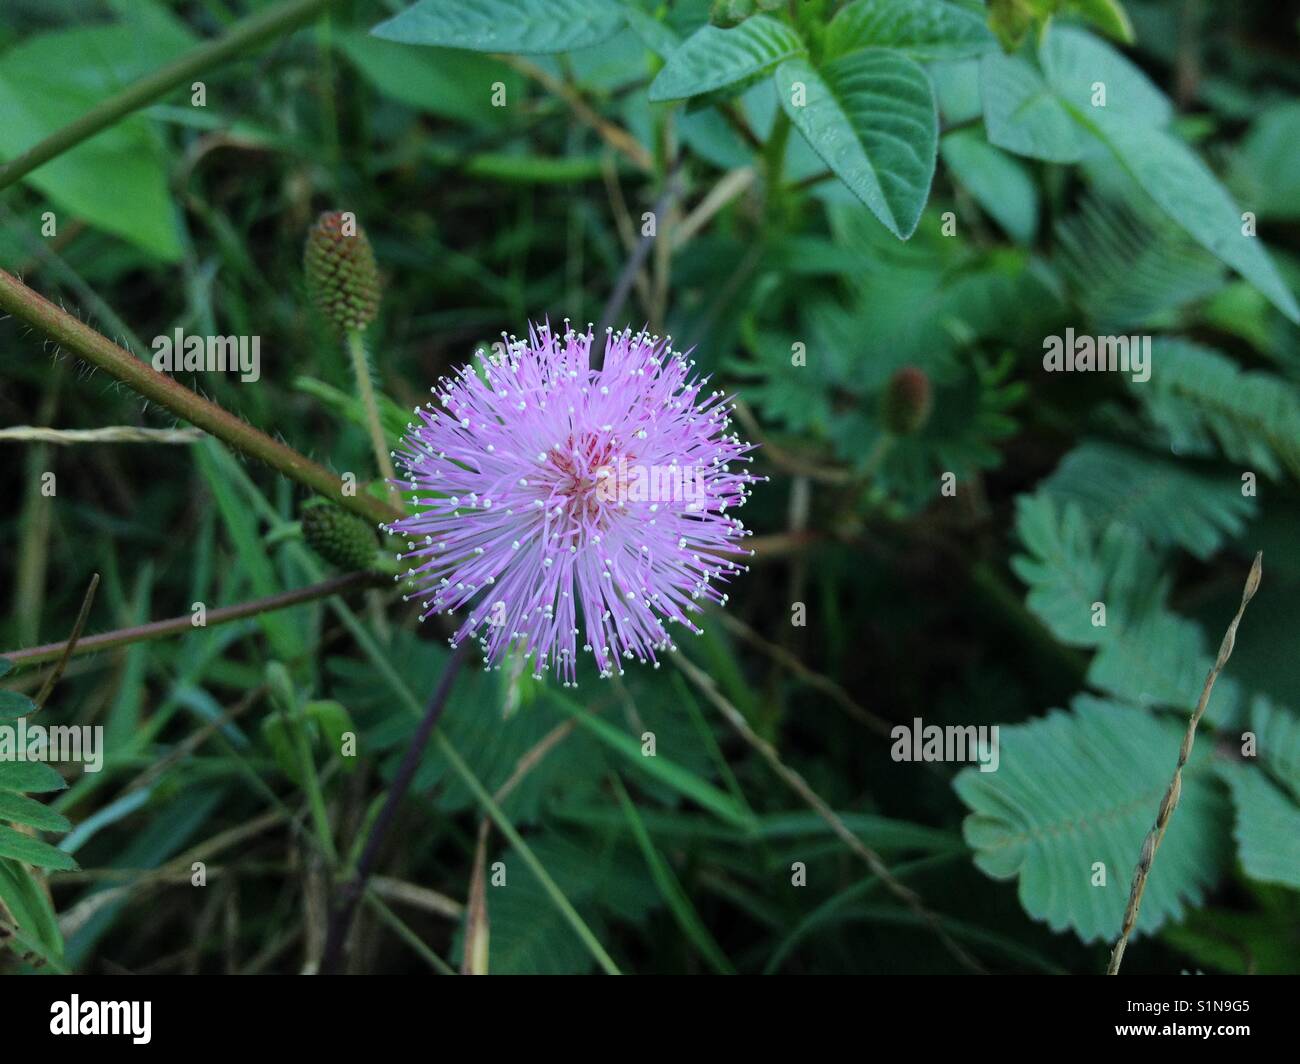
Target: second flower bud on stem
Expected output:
[343,282]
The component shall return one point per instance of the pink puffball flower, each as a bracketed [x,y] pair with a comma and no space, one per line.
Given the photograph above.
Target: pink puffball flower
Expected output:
[565,506]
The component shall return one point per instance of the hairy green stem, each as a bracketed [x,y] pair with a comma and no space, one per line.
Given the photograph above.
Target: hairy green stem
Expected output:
[84,342]
[361,370]
[252,32]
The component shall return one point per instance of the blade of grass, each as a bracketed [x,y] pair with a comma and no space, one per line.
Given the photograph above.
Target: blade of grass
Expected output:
[669,887]
[400,928]
[710,742]
[682,780]
[77,628]
[241,526]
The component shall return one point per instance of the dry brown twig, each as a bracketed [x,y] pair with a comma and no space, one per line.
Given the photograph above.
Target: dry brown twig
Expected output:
[111,434]
[614,135]
[1170,801]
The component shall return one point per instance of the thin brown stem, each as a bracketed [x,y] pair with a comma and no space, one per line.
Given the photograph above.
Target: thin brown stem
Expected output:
[341,920]
[1170,801]
[176,625]
[816,680]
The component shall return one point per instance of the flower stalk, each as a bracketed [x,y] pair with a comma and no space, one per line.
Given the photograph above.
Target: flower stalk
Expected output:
[361,370]
[84,342]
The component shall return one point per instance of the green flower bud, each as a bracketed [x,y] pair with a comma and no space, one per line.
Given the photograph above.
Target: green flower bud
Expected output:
[342,277]
[340,537]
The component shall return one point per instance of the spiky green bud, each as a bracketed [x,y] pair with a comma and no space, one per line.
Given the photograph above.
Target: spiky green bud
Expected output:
[905,404]
[340,537]
[342,277]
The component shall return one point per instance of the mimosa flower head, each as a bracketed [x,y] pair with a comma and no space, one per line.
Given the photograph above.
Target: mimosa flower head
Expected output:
[568,508]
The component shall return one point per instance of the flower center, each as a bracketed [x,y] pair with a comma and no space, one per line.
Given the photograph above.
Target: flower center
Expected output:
[590,482]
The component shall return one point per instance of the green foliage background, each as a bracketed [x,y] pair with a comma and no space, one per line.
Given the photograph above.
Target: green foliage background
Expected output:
[945,197]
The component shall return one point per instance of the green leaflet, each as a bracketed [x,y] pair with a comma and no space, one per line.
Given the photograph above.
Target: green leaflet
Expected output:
[14,705]
[30,911]
[1074,796]
[1267,826]
[19,809]
[1203,401]
[1068,568]
[1277,742]
[20,847]
[1146,655]
[1168,502]
[33,777]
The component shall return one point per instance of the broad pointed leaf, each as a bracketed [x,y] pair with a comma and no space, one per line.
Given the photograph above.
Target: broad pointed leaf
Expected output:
[1186,190]
[513,26]
[924,29]
[1082,69]
[713,58]
[871,117]
[1023,114]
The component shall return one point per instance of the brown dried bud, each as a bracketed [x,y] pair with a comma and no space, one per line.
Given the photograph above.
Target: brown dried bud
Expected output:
[905,405]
